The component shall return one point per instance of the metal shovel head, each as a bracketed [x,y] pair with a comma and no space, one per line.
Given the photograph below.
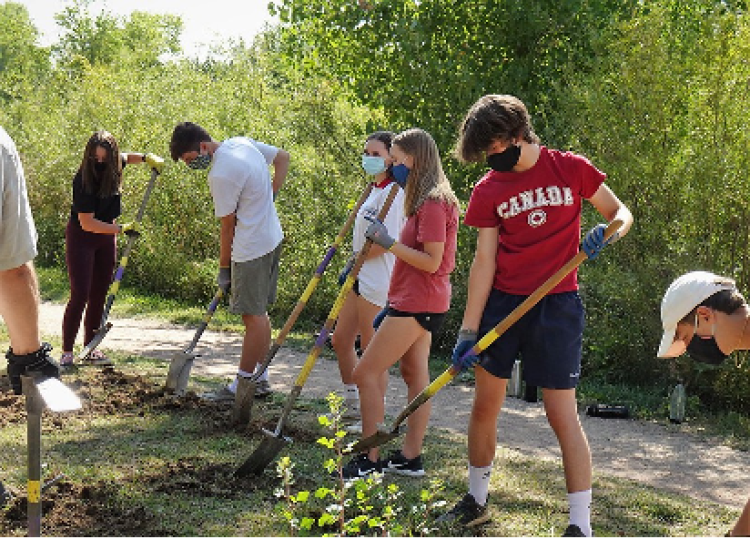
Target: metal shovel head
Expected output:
[179,372]
[266,452]
[96,341]
[376,440]
[243,401]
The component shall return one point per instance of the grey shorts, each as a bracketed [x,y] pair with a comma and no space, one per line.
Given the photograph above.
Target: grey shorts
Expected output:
[254,284]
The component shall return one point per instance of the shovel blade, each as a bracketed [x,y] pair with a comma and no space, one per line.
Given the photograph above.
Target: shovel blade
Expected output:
[96,341]
[266,452]
[243,401]
[179,373]
[376,440]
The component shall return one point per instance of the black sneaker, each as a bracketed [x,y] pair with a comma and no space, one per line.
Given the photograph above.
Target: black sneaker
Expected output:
[360,466]
[573,531]
[397,463]
[40,361]
[467,513]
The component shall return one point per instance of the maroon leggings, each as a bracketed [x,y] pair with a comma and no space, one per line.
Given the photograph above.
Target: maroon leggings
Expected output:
[91,261]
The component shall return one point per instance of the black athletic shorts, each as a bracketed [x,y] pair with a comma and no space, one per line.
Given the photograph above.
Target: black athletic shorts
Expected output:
[432,322]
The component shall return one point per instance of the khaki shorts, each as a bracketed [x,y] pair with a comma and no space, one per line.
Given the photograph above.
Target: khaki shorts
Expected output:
[254,284]
[17,231]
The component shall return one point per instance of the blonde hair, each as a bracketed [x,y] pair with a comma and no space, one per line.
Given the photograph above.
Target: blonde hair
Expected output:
[426,177]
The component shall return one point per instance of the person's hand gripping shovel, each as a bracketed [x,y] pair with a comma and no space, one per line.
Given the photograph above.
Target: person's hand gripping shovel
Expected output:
[274,442]
[131,230]
[466,353]
[182,361]
[243,403]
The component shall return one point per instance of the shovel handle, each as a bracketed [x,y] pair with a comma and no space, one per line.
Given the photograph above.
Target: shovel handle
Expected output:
[333,315]
[500,328]
[312,285]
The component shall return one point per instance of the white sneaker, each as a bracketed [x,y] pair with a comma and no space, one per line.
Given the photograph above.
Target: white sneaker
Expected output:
[354,428]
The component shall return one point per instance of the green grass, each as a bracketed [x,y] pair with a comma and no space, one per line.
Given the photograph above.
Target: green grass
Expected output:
[169,470]
[172,468]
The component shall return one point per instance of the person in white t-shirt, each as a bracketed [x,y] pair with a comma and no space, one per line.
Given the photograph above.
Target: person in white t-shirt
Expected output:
[243,192]
[370,292]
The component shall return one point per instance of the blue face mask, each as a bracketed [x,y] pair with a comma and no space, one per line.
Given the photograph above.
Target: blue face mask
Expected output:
[400,174]
[372,164]
[201,162]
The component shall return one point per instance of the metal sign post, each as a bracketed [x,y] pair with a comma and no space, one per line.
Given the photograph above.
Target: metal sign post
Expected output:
[41,393]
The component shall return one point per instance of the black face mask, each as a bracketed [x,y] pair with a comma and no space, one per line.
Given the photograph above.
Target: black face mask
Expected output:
[100,167]
[505,160]
[705,351]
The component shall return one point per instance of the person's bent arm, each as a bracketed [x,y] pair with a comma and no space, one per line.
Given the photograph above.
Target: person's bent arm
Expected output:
[610,207]
[91,224]
[428,260]
[280,170]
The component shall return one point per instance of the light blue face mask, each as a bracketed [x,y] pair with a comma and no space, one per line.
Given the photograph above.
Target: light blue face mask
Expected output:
[372,164]
[201,162]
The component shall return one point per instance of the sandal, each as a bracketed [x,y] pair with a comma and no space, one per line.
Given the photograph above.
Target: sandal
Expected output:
[66,359]
[97,357]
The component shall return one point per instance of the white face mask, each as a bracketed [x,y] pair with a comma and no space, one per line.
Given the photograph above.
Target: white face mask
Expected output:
[372,164]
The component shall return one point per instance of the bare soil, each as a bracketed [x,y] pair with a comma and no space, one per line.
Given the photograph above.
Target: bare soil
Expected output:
[653,453]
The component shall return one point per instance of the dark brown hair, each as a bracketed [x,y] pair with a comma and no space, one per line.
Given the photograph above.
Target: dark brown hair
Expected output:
[187,137]
[491,118]
[108,182]
[724,301]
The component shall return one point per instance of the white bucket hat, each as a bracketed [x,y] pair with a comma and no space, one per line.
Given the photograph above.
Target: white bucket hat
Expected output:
[683,295]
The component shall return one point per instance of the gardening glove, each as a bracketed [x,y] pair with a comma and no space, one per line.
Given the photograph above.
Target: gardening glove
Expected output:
[466,340]
[347,269]
[378,234]
[593,242]
[154,161]
[380,317]
[130,229]
[224,278]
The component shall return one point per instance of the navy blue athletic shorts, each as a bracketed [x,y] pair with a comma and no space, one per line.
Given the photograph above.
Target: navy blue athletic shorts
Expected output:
[547,339]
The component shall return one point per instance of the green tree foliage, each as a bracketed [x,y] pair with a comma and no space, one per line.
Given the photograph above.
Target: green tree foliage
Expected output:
[21,62]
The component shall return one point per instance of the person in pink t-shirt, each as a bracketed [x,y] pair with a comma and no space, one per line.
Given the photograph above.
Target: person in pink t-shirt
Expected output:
[527,211]
[418,298]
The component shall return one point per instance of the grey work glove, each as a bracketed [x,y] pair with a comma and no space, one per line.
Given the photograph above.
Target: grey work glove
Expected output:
[224,278]
[378,234]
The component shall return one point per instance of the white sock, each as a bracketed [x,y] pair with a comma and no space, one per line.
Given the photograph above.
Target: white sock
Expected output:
[352,391]
[263,377]
[479,483]
[244,374]
[580,510]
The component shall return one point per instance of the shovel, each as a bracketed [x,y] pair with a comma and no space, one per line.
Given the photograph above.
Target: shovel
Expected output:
[105,326]
[182,362]
[274,442]
[246,388]
[381,437]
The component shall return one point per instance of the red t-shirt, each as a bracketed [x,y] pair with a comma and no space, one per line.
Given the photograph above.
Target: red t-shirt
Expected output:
[538,212]
[413,290]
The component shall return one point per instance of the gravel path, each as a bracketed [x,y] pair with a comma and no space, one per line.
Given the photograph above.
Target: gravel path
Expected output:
[660,455]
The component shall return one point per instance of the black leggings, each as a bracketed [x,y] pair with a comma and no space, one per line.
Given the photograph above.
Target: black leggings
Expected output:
[91,261]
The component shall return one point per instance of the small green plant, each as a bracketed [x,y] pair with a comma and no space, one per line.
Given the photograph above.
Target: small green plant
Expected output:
[351,508]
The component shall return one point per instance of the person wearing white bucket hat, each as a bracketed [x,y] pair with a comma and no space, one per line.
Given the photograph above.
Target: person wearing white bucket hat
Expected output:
[705,315]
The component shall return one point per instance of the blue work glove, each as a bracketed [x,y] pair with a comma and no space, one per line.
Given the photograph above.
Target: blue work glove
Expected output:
[380,317]
[378,233]
[347,269]
[224,278]
[593,242]
[465,342]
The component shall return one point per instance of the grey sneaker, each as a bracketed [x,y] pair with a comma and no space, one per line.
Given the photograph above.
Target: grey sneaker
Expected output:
[467,513]
[350,408]
[262,389]
[222,395]
[573,531]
